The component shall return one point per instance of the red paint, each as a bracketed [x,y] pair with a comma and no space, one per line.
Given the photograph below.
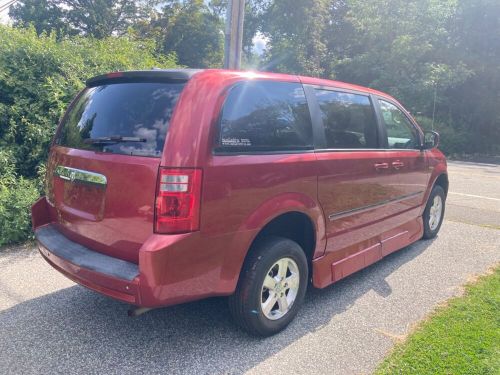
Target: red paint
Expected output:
[240,194]
[114,74]
[120,289]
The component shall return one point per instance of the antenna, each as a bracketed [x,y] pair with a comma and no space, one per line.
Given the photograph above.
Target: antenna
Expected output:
[434,106]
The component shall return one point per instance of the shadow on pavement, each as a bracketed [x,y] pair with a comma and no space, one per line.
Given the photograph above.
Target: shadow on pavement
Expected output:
[77,330]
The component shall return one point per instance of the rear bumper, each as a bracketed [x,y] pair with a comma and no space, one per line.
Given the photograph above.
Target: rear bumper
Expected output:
[172,269]
[113,277]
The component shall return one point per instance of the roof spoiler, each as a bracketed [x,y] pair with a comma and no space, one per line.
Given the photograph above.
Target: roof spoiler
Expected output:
[154,75]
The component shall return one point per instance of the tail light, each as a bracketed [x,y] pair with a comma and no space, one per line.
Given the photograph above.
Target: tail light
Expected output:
[178,201]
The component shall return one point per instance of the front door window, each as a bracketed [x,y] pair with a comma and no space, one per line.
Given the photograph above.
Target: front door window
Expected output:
[401,134]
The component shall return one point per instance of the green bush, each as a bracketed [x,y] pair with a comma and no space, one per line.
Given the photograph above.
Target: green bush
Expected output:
[39,75]
[16,196]
[453,140]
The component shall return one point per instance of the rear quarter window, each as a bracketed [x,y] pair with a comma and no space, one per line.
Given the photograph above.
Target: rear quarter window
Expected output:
[139,111]
[348,119]
[265,116]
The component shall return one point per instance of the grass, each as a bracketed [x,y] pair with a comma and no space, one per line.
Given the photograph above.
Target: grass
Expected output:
[461,337]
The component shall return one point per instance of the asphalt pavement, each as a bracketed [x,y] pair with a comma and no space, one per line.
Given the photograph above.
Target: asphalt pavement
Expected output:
[48,324]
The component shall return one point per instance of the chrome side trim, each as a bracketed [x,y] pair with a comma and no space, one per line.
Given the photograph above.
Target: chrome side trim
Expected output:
[369,207]
[80,176]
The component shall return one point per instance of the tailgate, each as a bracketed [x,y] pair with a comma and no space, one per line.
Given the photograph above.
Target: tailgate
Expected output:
[103,166]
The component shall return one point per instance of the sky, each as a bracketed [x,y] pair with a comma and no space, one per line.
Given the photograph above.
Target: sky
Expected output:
[4,16]
[259,43]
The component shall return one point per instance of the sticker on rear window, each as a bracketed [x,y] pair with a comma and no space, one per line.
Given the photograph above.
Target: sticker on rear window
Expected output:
[236,142]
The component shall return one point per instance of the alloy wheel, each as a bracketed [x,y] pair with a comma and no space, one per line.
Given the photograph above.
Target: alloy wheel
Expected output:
[280,288]
[435,212]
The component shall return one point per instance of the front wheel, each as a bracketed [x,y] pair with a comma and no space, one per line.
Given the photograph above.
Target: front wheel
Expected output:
[271,288]
[434,212]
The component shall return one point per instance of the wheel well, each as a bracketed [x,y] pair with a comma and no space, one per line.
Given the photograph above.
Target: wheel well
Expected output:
[442,181]
[295,226]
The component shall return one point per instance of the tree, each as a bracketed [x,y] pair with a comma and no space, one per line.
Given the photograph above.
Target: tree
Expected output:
[44,15]
[473,105]
[193,29]
[296,33]
[97,18]
[194,33]
[395,46]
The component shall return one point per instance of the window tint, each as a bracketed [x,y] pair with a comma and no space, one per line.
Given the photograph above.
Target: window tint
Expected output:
[349,120]
[138,110]
[265,116]
[400,131]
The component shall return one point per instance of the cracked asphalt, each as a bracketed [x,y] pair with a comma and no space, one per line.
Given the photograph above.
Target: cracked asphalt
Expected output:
[50,325]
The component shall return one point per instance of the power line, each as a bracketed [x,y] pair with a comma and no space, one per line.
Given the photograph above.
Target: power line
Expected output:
[7,5]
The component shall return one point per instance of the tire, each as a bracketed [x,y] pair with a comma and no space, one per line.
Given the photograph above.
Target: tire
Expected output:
[266,262]
[431,228]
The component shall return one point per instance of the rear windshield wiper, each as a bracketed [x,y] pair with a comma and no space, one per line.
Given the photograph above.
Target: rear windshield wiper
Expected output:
[113,139]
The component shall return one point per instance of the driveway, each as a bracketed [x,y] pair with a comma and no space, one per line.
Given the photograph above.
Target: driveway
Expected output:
[48,324]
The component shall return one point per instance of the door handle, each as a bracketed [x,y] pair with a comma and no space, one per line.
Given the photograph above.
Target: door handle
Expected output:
[379,166]
[398,164]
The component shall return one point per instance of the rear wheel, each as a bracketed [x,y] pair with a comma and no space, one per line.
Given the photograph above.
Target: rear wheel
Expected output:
[434,212]
[271,288]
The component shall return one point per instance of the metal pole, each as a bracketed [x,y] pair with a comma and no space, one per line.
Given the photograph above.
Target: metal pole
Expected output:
[233,43]
[434,106]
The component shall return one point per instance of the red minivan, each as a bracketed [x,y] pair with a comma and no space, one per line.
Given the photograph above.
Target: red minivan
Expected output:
[168,186]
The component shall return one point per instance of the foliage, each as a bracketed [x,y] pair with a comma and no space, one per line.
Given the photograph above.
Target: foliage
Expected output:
[40,75]
[16,196]
[474,104]
[296,31]
[194,34]
[453,141]
[461,338]
[190,28]
[44,15]
[97,18]
[193,29]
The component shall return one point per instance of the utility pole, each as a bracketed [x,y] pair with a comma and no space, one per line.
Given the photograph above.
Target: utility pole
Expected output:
[233,43]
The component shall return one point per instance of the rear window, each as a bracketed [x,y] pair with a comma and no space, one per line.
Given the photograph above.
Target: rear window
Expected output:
[265,116]
[121,118]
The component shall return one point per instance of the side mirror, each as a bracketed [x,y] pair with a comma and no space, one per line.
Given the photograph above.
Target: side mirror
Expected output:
[431,140]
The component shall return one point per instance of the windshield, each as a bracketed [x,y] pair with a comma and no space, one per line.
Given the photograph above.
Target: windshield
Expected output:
[133,118]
